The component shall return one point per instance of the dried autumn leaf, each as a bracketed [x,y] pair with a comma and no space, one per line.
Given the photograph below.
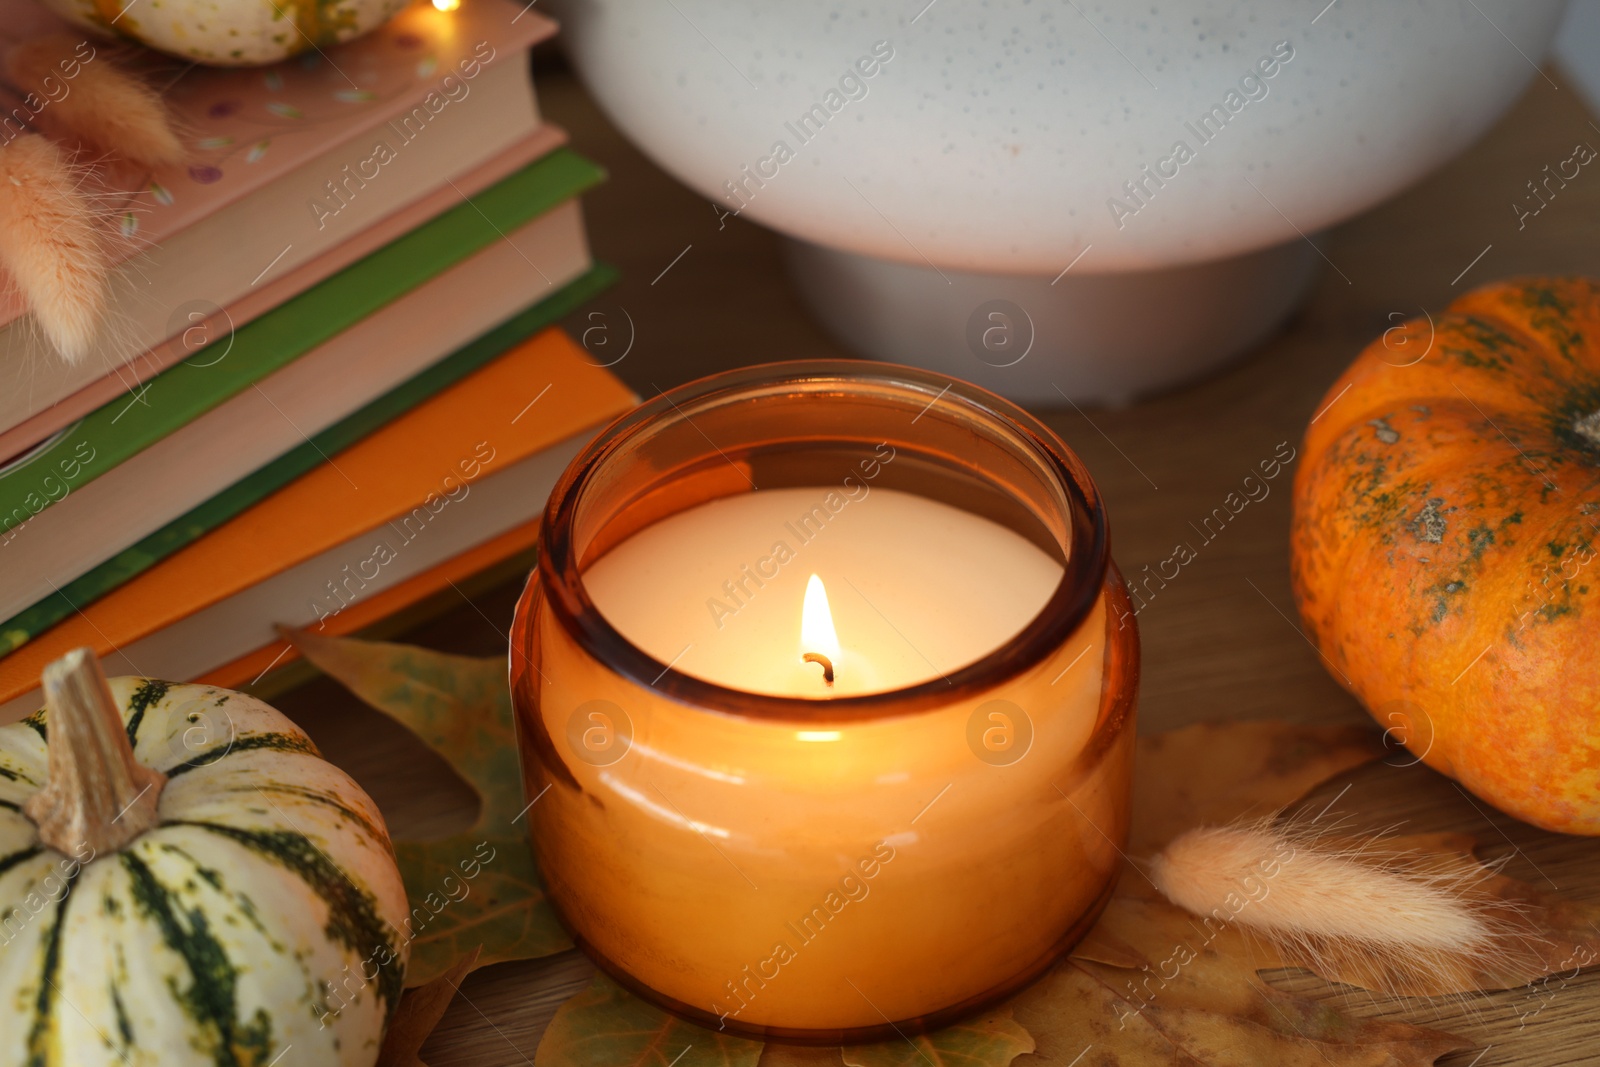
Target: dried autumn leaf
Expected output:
[1153,984]
[1216,772]
[1075,1012]
[419,1012]
[1070,1014]
[480,887]
[1186,990]
[799,1056]
[607,1025]
[1216,962]
[1540,933]
[990,1040]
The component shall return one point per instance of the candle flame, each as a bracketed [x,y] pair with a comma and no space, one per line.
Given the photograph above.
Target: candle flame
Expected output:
[816,622]
[446,5]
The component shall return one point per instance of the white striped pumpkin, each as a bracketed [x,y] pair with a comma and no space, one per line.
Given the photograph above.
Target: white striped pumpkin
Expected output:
[231,33]
[259,913]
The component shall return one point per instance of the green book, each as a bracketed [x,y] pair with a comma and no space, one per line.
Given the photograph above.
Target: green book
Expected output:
[128,425]
[34,620]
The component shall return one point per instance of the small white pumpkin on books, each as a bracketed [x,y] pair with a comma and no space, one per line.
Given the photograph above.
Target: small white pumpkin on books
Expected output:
[231,33]
[183,880]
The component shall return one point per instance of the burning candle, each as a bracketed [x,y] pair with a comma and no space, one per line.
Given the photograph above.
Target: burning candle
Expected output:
[727,581]
[825,684]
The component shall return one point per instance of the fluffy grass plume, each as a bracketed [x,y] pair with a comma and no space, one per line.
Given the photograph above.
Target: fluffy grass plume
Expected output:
[82,92]
[50,242]
[1351,909]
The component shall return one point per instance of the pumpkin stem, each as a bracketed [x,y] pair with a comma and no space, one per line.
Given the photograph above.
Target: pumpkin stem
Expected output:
[1588,428]
[98,795]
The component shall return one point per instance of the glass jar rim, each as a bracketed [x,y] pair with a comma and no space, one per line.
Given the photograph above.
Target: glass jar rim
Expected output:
[1070,604]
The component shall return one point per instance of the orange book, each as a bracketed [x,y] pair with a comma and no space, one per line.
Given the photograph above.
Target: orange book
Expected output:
[463,468]
[249,669]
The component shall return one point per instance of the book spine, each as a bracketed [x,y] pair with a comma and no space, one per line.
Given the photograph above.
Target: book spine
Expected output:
[79,593]
[172,398]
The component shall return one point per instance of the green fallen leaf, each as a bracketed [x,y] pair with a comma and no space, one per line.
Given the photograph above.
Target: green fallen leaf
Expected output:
[607,1025]
[480,887]
[990,1040]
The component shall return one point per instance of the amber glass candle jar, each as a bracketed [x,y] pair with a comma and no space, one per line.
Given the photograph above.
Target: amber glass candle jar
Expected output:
[813,835]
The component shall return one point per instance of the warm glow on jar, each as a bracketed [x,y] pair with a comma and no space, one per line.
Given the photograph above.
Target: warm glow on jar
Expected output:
[868,676]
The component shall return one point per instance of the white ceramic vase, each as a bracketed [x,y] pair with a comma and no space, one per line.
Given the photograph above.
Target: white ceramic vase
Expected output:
[1054,199]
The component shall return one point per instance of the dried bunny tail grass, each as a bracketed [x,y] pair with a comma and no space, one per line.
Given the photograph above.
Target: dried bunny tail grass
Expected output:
[50,244]
[1350,910]
[100,103]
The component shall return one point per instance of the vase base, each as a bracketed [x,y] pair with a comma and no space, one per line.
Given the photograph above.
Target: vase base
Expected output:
[1100,339]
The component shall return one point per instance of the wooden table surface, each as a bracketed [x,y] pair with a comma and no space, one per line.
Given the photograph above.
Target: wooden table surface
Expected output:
[1220,641]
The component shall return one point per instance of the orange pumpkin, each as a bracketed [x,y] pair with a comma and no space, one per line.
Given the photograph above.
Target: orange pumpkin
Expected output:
[1445,539]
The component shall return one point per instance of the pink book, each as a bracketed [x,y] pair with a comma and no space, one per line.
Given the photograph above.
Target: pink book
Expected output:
[264,298]
[285,165]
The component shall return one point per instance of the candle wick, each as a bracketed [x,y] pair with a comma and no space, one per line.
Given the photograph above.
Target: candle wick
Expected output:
[827,664]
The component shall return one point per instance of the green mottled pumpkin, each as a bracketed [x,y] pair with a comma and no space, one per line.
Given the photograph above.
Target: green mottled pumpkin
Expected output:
[1445,533]
[231,33]
[183,880]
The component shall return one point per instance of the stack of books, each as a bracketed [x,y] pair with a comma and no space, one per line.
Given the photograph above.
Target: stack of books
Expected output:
[328,386]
